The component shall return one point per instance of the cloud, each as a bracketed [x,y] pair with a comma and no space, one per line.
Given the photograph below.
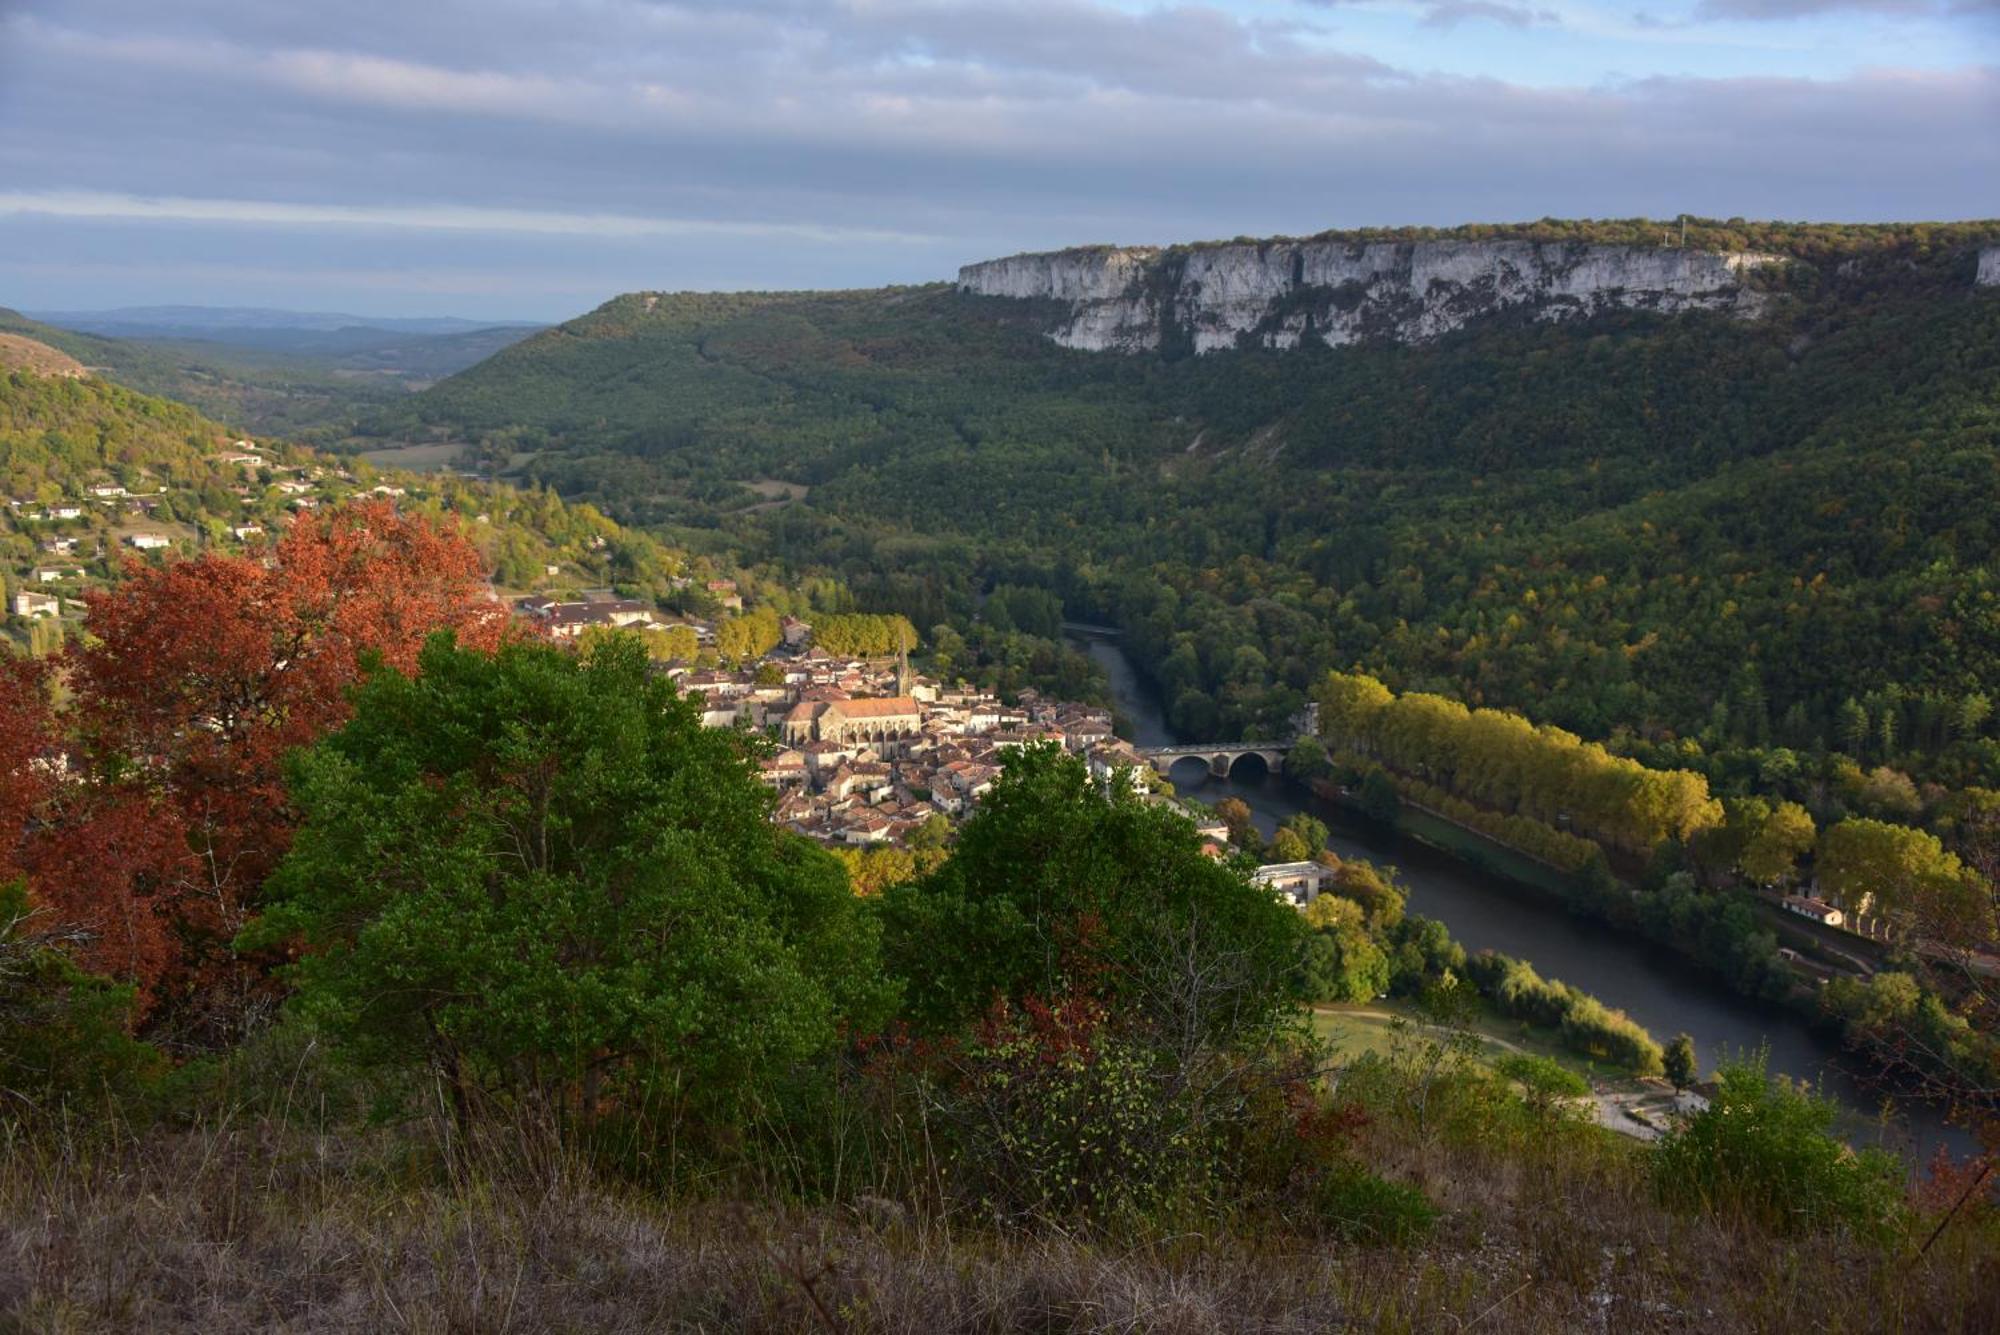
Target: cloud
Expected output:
[655,143]
[1779,10]
[99,206]
[1452,13]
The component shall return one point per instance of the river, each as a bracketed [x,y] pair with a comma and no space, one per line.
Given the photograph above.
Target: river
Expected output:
[1655,986]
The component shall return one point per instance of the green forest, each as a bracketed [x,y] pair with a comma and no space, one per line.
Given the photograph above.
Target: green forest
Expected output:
[1729,538]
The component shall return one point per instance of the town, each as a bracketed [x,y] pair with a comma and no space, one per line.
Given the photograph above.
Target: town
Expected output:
[865,751]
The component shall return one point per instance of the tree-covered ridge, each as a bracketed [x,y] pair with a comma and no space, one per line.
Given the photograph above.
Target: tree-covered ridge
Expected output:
[1799,240]
[1677,528]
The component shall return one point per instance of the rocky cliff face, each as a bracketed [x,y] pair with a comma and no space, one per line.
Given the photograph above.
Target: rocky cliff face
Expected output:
[1989,268]
[1278,294]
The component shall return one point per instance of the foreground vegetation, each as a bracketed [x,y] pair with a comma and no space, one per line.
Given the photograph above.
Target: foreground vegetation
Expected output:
[523,1013]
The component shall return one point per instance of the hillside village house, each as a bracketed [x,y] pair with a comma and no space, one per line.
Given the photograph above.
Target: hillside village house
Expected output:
[149,542]
[567,620]
[1827,915]
[51,574]
[35,606]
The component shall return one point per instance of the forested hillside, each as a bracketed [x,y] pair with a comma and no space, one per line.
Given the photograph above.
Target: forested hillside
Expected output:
[88,466]
[1747,532]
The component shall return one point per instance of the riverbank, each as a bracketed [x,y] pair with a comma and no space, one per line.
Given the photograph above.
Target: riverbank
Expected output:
[1631,1106]
[1487,907]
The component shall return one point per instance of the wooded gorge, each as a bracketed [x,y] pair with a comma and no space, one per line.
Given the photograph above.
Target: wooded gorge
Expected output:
[1751,534]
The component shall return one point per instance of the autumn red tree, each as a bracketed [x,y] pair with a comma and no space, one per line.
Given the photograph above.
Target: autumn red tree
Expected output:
[95,852]
[198,679]
[27,743]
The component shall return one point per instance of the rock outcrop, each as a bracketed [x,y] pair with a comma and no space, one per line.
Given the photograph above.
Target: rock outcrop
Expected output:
[1989,268]
[1281,293]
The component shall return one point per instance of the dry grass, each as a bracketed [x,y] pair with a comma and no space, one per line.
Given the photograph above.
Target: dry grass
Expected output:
[254,1227]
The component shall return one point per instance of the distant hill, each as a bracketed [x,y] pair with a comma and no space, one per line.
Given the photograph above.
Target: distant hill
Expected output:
[26,354]
[1721,525]
[270,379]
[217,321]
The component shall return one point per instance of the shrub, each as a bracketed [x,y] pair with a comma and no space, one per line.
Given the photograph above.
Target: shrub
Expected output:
[1763,1150]
[1358,1206]
[63,1032]
[1546,1084]
[1052,1116]
[1586,1024]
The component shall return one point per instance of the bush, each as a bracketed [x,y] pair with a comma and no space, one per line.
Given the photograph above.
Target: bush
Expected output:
[1586,1024]
[1052,1116]
[1546,1084]
[1357,1206]
[63,1032]
[1763,1150]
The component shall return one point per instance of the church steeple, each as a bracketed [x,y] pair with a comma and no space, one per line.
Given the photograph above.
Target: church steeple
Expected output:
[902,659]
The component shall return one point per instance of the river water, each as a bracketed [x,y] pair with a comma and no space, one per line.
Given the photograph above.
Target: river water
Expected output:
[1655,986]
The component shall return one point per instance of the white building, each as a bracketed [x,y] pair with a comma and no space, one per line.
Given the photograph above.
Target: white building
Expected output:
[1299,882]
[35,606]
[1817,909]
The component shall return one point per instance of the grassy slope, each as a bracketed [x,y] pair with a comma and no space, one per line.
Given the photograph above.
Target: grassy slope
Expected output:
[276,1220]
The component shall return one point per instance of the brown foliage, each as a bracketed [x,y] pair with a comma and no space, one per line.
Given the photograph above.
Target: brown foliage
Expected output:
[150,809]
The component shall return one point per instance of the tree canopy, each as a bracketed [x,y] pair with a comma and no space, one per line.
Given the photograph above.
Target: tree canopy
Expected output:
[540,873]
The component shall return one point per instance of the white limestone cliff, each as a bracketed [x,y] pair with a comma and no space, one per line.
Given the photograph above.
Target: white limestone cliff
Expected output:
[1989,268]
[1279,293]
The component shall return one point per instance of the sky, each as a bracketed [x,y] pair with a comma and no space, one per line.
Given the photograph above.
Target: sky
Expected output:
[529,159]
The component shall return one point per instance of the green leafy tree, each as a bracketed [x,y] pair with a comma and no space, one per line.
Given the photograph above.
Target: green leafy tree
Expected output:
[1683,1068]
[1379,800]
[539,874]
[1342,961]
[1771,853]
[1310,829]
[1057,887]
[1874,866]
[1851,726]
[1308,760]
[1287,846]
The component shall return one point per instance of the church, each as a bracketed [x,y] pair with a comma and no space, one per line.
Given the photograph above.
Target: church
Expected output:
[877,720]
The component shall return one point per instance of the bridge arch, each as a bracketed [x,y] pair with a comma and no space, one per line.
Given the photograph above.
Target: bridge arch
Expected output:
[1221,759]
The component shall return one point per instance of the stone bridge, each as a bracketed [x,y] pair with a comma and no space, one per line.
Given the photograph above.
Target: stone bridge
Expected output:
[1221,756]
